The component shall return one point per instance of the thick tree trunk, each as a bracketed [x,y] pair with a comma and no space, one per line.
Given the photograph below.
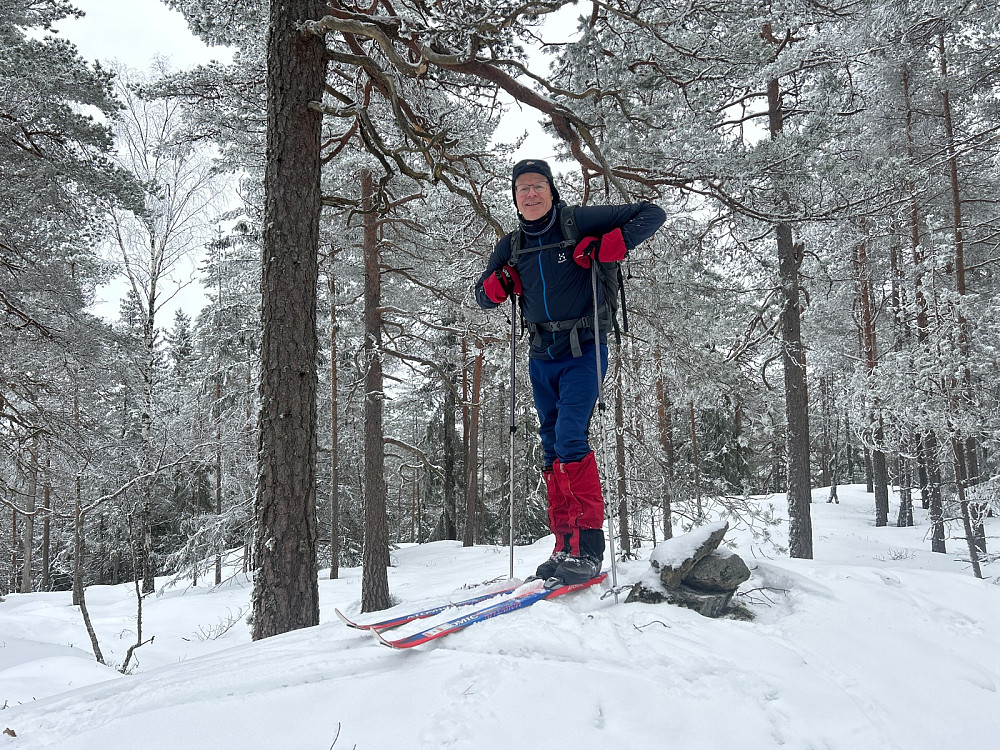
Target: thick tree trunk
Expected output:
[286,589]
[375,556]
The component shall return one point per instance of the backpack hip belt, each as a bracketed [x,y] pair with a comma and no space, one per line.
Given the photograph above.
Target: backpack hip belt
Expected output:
[573,326]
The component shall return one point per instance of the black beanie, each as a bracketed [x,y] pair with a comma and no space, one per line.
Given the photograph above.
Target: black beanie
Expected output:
[533,166]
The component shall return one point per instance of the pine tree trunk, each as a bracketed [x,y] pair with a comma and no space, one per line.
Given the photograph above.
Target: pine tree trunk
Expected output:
[936,501]
[47,528]
[286,589]
[866,304]
[665,424]
[450,464]
[471,456]
[334,430]
[905,517]
[967,450]
[624,527]
[960,480]
[800,542]
[28,534]
[375,556]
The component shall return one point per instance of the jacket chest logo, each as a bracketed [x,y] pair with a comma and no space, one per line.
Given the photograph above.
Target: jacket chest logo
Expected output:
[563,257]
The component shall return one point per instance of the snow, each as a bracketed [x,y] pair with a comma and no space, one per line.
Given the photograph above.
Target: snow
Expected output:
[673,552]
[876,643]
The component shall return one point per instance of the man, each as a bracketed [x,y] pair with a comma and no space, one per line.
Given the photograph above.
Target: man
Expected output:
[553,279]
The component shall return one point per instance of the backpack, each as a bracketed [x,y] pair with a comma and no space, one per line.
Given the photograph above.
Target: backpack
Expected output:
[609,275]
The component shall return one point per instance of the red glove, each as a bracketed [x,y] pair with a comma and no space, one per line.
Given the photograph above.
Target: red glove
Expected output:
[605,249]
[499,285]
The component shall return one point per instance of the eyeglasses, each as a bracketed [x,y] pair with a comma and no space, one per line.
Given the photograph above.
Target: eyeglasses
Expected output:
[538,187]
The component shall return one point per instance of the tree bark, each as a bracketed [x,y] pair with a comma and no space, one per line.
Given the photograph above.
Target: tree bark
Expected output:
[935,500]
[375,556]
[28,533]
[624,527]
[471,460]
[800,542]
[960,481]
[869,344]
[796,407]
[694,461]
[905,516]
[286,589]
[665,424]
[334,430]
[969,460]
[47,527]
[450,464]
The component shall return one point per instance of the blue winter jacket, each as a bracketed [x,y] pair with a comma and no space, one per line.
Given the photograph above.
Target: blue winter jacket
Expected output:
[554,287]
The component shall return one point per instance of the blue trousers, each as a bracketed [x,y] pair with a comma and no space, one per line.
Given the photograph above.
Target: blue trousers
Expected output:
[565,393]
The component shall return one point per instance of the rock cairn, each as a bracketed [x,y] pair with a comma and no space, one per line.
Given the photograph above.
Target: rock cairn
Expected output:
[693,571]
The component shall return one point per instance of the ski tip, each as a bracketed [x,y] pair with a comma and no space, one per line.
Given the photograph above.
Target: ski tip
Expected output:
[350,623]
[383,640]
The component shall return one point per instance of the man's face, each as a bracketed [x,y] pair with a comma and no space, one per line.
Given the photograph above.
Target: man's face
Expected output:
[533,196]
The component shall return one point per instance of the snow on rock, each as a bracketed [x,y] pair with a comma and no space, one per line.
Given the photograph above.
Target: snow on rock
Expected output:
[675,557]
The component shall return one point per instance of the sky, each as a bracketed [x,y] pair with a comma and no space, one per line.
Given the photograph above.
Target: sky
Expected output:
[134,32]
[875,643]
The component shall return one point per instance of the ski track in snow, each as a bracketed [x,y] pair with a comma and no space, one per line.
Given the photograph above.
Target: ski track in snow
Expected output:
[877,643]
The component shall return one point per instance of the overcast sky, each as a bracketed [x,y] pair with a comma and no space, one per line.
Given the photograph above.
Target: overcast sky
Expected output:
[134,32]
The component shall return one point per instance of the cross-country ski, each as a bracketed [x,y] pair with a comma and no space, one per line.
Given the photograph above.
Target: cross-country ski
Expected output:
[384,623]
[530,593]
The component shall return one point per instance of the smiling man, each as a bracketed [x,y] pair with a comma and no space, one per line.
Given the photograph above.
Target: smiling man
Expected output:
[546,262]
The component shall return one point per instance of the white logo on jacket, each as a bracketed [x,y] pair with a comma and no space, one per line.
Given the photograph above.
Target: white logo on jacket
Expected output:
[563,257]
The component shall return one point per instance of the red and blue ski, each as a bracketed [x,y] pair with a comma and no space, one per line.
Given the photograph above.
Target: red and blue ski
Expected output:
[532,592]
[391,622]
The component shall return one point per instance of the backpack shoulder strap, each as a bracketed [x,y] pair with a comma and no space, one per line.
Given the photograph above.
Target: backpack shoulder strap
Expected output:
[567,224]
[516,246]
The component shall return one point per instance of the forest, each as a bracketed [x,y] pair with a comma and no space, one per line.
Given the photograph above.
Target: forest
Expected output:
[818,309]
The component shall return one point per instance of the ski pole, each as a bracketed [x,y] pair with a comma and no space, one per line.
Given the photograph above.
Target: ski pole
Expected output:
[513,424]
[600,418]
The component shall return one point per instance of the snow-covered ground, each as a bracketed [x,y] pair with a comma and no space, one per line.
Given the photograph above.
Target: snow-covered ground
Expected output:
[876,643]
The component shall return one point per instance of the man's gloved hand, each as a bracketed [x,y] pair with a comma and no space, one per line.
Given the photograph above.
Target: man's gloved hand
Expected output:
[502,283]
[605,249]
